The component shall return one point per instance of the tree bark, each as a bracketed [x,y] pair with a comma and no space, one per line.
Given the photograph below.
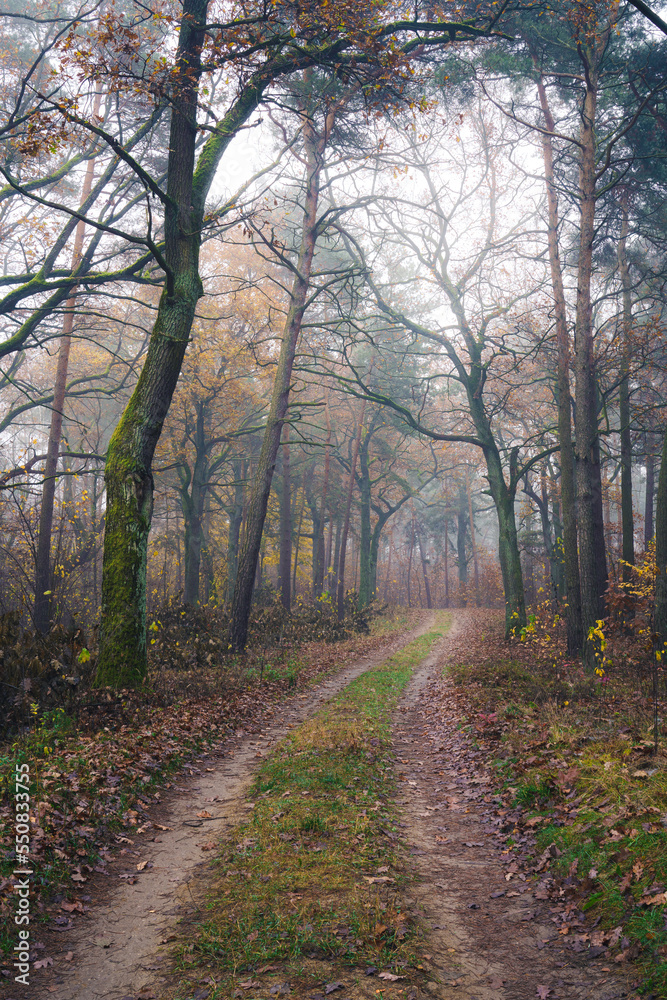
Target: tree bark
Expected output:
[660,614]
[129,479]
[285,558]
[650,489]
[473,543]
[592,556]
[43,581]
[235,522]
[193,495]
[348,508]
[261,487]
[568,487]
[427,586]
[365,584]
[627,518]
[297,540]
[320,556]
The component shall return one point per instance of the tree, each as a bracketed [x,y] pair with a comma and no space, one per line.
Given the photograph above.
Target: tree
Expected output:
[261,46]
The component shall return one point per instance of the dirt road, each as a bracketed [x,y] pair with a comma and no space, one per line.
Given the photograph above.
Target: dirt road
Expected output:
[490,932]
[116,946]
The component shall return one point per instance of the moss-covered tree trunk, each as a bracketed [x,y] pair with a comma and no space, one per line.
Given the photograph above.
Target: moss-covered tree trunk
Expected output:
[128,476]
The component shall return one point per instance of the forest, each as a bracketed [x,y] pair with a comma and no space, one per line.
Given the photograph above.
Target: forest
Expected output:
[366,301]
[317,317]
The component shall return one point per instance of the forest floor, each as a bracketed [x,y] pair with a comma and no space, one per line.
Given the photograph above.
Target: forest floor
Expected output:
[373,841]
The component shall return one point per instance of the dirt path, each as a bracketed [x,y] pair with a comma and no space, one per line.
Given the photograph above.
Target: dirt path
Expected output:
[113,950]
[491,935]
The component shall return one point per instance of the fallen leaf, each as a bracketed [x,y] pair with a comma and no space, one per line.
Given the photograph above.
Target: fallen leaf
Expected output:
[141,865]
[373,879]
[658,900]
[250,984]
[332,987]
[69,956]
[543,992]
[42,963]
[103,942]
[204,814]
[389,976]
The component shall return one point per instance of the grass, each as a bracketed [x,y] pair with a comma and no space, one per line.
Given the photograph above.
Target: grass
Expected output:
[294,884]
[580,765]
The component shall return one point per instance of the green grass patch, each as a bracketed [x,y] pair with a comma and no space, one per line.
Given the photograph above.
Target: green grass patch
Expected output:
[294,884]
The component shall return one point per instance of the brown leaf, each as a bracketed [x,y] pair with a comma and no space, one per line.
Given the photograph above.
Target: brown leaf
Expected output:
[543,992]
[389,976]
[141,865]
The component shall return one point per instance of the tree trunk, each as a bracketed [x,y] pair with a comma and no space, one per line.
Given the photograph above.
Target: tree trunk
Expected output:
[285,560]
[320,556]
[235,521]
[424,562]
[446,561]
[129,479]
[650,489]
[365,582]
[348,509]
[261,487]
[43,587]
[461,523]
[592,557]
[473,543]
[568,488]
[627,518]
[297,540]
[660,614]
[192,505]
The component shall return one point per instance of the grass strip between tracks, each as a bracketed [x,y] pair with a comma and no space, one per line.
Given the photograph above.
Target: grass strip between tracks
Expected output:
[309,880]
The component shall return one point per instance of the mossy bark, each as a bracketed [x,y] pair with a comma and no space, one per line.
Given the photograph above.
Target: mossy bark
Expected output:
[128,476]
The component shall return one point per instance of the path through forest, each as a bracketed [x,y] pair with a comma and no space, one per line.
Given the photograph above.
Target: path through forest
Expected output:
[116,947]
[489,932]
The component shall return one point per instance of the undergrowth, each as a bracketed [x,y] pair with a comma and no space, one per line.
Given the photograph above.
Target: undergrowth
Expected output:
[577,757]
